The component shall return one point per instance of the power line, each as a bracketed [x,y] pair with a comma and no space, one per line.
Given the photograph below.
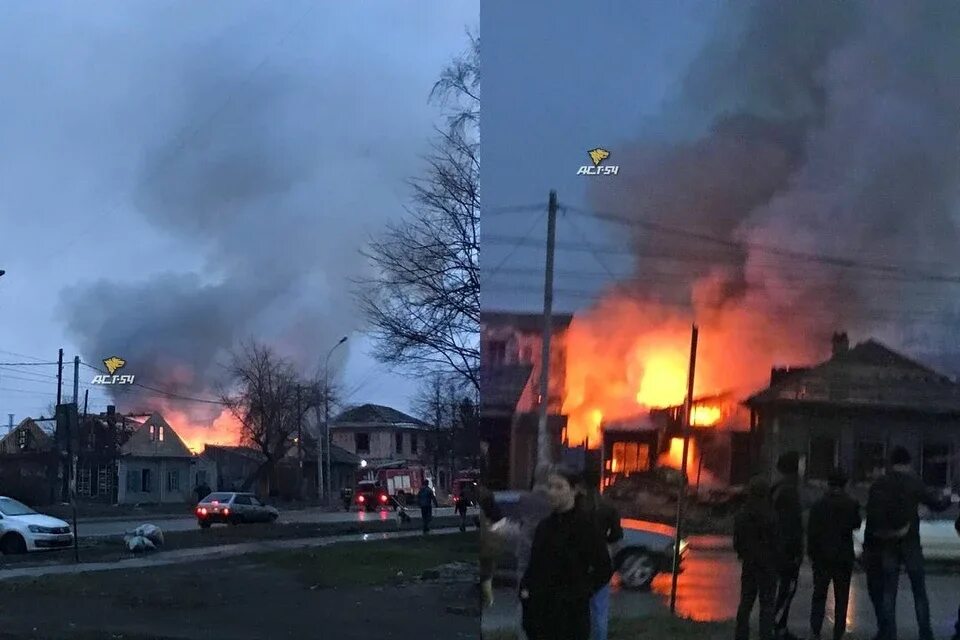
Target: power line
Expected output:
[521,208]
[769,249]
[516,246]
[167,394]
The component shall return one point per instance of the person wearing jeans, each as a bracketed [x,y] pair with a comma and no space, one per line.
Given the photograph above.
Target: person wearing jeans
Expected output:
[607,520]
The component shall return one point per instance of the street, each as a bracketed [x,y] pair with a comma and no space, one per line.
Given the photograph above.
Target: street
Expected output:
[708,591]
[188,523]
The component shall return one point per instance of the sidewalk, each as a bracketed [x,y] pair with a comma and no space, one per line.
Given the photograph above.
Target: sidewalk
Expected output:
[199,554]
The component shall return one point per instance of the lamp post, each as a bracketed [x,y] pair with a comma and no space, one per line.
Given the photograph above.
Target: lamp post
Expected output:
[326,423]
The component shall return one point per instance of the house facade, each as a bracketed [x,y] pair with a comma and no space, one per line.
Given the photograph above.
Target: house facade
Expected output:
[853,409]
[380,435]
[29,464]
[156,467]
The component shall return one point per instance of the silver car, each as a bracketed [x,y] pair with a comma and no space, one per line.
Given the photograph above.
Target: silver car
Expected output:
[233,508]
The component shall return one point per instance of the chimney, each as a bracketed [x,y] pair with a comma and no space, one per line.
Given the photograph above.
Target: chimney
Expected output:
[10,424]
[840,344]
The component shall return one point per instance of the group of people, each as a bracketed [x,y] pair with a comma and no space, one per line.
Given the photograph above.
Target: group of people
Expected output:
[769,540]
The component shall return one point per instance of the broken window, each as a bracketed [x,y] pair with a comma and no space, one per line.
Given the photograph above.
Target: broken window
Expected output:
[145,484]
[83,481]
[935,463]
[399,439]
[362,442]
[414,445]
[496,352]
[23,438]
[629,457]
[822,459]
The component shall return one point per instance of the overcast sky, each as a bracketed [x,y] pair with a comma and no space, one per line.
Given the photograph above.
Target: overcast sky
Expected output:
[180,176]
[558,82]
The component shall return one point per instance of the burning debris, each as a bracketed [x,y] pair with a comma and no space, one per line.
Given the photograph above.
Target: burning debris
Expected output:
[823,130]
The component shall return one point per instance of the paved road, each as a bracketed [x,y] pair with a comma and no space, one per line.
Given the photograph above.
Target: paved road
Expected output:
[709,589]
[188,523]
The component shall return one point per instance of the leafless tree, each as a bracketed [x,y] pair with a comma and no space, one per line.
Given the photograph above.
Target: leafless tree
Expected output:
[444,401]
[263,398]
[423,301]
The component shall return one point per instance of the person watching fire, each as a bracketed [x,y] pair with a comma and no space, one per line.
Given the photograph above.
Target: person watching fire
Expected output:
[785,496]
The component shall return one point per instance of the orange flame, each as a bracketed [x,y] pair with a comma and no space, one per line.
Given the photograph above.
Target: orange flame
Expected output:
[225,429]
[705,415]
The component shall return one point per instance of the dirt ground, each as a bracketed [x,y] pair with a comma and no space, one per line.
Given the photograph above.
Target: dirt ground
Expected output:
[344,592]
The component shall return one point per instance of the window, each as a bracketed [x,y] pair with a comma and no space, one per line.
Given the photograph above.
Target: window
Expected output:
[255,502]
[242,500]
[870,460]
[23,438]
[362,442]
[145,484]
[173,481]
[496,352]
[935,462]
[160,434]
[822,459]
[629,457]
[414,445]
[132,484]
[399,439]
[83,481]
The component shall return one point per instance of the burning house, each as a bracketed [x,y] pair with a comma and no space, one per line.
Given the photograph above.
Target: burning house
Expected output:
[853,408]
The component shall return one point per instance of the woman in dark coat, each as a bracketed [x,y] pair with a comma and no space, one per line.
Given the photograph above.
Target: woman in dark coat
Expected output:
[569,563]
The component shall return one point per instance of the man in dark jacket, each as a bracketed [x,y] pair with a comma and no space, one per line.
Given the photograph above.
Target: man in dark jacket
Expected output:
[427,500]
[833,519]
[755,541]
[893,526]
[607,520]
[786,503]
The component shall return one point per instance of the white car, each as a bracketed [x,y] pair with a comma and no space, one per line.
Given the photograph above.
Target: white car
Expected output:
[646,550]
[938,538]
[22,529]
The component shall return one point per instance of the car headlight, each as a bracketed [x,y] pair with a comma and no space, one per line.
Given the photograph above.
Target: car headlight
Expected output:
[38,529]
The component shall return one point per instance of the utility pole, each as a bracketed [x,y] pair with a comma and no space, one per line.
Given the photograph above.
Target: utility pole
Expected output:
[544,453]
[76,380]
[687,412]
[320,477]
[60,377]
[299,446]
[326,415]
[76,544]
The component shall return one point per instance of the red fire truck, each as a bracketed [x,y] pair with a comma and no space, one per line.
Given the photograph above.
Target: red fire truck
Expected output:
[401,480]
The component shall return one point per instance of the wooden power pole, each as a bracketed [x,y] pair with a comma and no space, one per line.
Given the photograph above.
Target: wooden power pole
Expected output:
[687,413]
[544,449]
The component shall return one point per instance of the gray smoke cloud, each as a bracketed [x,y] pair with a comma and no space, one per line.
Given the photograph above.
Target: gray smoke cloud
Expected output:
[248,192]
[824,127]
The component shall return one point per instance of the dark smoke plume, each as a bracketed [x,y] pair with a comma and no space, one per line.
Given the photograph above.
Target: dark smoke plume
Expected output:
[824,127]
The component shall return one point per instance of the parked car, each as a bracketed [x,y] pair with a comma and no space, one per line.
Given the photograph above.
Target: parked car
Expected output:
[233,508]
[22,529]
[938,538]
[371,496]
[646,550]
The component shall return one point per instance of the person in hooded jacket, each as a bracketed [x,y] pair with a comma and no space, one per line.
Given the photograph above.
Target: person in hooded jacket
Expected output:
[789,508]
[755,539]
[569,563]
[833,519]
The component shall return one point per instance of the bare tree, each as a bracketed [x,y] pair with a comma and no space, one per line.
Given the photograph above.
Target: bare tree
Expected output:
[446,403]
[264,401]
[423,301]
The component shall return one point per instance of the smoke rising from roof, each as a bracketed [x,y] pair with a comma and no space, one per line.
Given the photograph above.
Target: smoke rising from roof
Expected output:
[827,128]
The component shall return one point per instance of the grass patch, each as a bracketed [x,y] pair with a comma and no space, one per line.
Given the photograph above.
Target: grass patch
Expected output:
[373,563]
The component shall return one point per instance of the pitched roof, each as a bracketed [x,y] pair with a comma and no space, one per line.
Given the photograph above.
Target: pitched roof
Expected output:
[525,322]
[246,452]
[43,435]
[143,444]
[375,415]
[870,374]
[502,386]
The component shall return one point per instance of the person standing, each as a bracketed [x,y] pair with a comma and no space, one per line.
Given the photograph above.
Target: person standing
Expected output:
[956,629]
[893,523]
[462,500]
[427,500]
[569,563]
[756,543]
[606,518]
[785,496]
[833,519]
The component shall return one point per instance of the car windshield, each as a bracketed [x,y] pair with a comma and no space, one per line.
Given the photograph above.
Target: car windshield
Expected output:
[10,507]
[217,497]
[367,486]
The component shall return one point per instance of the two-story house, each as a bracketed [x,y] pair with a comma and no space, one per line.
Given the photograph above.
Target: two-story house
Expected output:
[379,435]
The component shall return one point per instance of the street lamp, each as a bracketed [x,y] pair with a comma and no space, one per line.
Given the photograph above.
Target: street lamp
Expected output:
[326,425]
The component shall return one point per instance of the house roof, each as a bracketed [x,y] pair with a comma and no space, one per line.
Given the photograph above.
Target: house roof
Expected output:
[502,386]
[525,322]
[373,416]
[44,436]
[142,445]
[870,374]
[246,452]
